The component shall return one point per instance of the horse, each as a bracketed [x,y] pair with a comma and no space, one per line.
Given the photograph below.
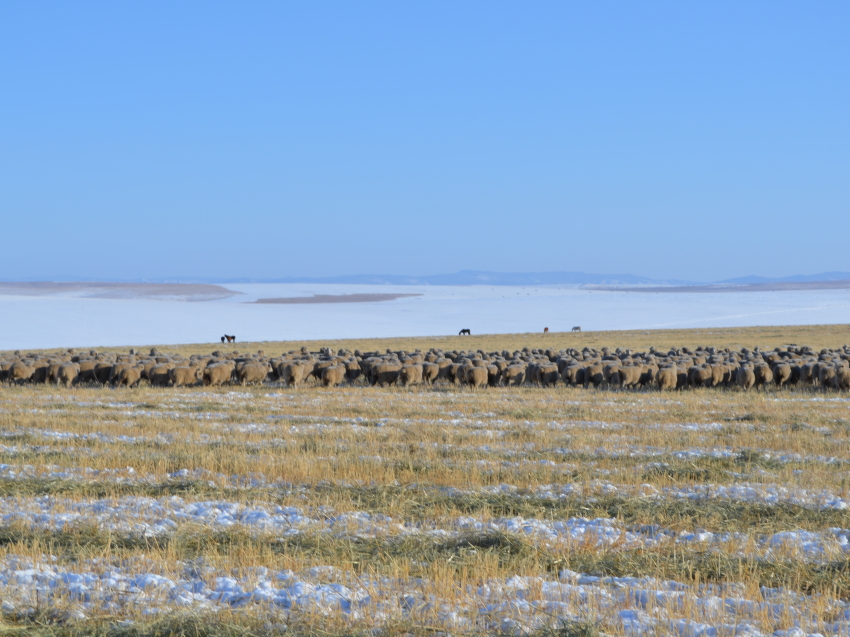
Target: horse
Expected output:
[465,331]
[545,330]
[229,339]
[577,329]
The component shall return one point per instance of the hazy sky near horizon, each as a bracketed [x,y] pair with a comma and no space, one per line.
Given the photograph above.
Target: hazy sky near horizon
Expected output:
[695,141]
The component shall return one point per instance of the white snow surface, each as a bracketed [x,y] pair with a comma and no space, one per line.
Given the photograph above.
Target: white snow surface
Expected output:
[514,605]
[154,517]
[68,321]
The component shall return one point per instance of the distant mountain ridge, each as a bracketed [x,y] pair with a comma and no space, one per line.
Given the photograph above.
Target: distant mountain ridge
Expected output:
[474,277]
[797,278]
[483,277]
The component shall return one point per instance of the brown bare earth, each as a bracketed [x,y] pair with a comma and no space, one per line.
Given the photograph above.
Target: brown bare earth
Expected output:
[108,290]
[337,298]
[843,284]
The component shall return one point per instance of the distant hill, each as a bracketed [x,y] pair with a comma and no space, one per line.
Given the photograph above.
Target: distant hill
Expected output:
[475,277]
[797,278]
[483,277]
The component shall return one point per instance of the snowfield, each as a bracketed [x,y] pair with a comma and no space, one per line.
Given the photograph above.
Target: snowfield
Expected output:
[515,605]
[30,322]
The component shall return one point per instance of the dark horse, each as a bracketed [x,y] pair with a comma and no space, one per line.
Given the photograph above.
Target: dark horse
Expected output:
[229,339]
[465,331]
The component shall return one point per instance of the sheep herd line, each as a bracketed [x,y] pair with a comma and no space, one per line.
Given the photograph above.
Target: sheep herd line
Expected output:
[679,368]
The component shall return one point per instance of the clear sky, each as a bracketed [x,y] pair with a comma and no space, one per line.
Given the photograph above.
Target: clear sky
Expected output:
[249,139]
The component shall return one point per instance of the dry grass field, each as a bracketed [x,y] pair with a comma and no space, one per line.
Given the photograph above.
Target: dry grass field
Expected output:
[265,510]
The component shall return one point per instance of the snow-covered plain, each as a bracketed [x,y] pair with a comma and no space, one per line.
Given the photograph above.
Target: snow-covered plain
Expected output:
[65,320]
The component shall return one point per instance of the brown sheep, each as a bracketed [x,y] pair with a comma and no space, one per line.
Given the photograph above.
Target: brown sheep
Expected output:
[333,376]
[159,375]
[319,366]
[826,376]
[103,372]
[806,376]
[87,371]
[253,373]
[430,372]
[385,374]
[456,373]
[593,375]
[763,374]
[185,376]
[129,376]
[746,377]
[573,375]
[68,374]
[352,371]
[295,373]
[781,374]
[20,372]
[667,378]
[410,375]
[53,372]
[842,379]
[547,375]
[477,376]
[700,375]
[217,375]
[514,375]
[629,376]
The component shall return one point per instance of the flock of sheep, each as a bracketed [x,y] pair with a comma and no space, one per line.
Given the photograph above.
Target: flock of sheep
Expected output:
[680,368]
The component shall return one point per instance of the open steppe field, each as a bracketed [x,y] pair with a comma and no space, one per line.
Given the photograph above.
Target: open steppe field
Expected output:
[816,336]
[266,509]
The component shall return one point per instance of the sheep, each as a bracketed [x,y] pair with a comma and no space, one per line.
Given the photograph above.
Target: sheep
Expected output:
[430,372]
[476,377]
[385,374]
[20,372]
[68,374]
[218,374]
[622,367]
[253,373]
[333,375]
[763,375]
[514,375]
[841,380]
[667,378]
[547,375]
[410,375]
[573,375]
[629,376]
[295,373]
[185,376]
[746,377]
[781,374]
[129,377]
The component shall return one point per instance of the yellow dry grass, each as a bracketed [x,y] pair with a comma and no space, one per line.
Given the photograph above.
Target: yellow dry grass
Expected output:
[816,336]
[426,457]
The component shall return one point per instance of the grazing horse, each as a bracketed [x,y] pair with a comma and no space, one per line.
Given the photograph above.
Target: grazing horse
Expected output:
[465,331]
[545,330]
[576,329]
[229,339]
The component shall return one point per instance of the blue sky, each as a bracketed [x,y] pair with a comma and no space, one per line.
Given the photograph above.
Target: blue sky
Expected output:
[681,140]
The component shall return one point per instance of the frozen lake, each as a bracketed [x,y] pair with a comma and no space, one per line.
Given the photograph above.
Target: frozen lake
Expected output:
[65,320]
